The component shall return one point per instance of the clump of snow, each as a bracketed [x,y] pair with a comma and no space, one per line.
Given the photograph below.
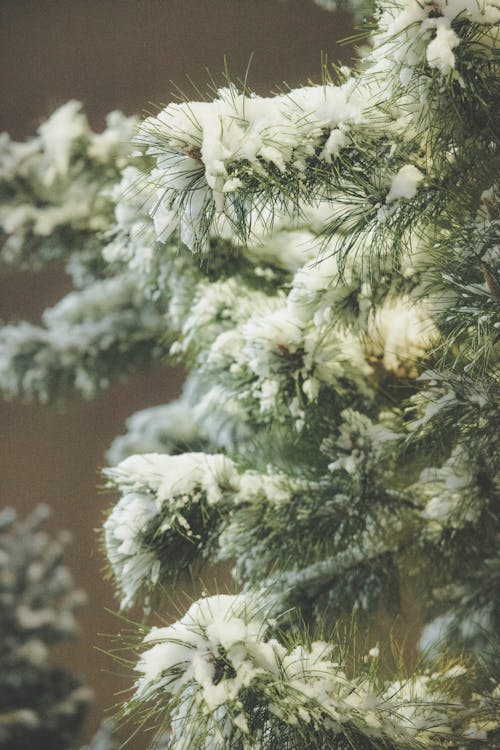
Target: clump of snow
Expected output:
[440,51]
[158,493]
[200,147]
[404,184]
[132,564]
[175,476]
[200,665]
[400,333]
[58,135]
[212,645]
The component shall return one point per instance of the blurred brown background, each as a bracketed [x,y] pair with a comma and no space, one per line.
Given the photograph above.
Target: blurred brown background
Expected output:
[118,54]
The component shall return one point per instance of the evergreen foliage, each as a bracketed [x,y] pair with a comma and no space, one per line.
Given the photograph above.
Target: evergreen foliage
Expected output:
[325,262]
[41,705]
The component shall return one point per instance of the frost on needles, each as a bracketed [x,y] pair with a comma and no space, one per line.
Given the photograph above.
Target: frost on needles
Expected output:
[325,263]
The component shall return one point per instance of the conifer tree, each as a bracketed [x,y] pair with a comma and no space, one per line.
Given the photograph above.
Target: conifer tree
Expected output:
[41,705]
[325,262]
